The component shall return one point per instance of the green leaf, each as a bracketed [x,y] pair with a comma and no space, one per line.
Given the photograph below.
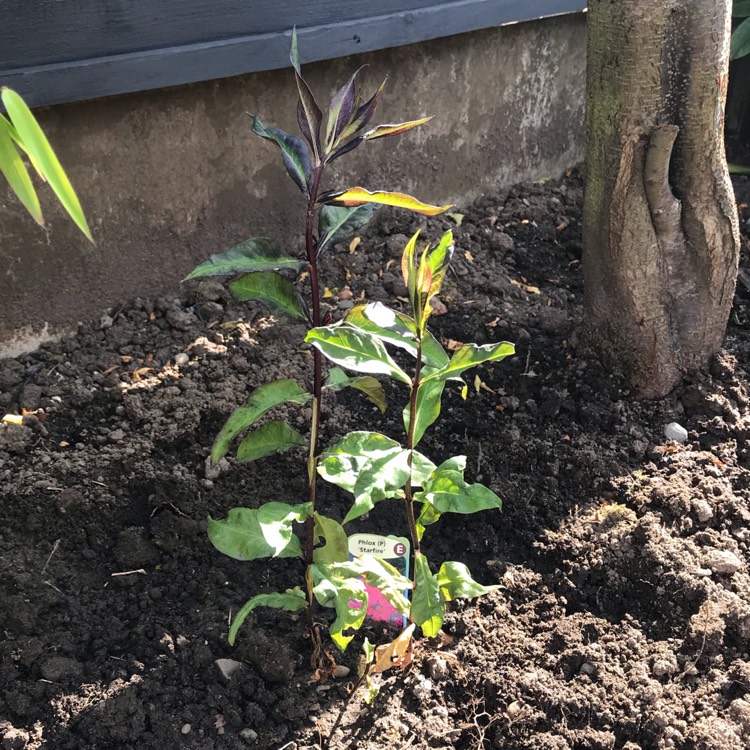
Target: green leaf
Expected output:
[741,8]
[372,467]
[357,196]
[309,114]
[429,396]
[337,223]
[346,594]
[438,260]
[739,45]
[381,575]
[250,534]
[448,492]
[398,329]
[293,600]
[455,582]
[35,143]
[738,169]
[271,288]
[428,608]
[336,547]
[260,401]
[294,152]
[254,254]
[355,350]
[427,517]
[273,437]
[471,355]
[371,387]
[12,166]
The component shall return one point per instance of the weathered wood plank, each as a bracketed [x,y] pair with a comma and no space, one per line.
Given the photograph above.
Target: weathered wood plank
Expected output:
[65,50]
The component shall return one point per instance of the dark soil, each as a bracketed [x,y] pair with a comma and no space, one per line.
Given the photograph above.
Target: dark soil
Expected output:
[623,614]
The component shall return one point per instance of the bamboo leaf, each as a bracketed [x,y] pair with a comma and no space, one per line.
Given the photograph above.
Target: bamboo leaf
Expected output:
[370,386]
[269,287]
[250,534]
[429,398]
[355,350]
[739,45]
[336,547]
[294,152]
[274,437]
[358,196]
[35,143]
[253,254]
[260,401]
[293,600]
[379,131]
[337,223]
[455,582]
[471,355]
[12,167]
[428,608]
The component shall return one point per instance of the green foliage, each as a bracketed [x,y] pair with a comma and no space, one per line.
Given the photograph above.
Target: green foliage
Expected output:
[262,399]
[372,467]
[739,45]
[293,600]
[20,130]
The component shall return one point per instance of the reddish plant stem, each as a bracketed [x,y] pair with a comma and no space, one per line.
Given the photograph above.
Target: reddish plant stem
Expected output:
[316,319]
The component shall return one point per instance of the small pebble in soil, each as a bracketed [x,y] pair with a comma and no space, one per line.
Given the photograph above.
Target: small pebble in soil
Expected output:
[341,671]
[437,667]
[181,359]
[249,735]
[186,728]
[675,431]
[227,667]
[722,561]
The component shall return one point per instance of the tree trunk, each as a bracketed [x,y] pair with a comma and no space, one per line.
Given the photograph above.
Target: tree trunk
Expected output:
[661,241]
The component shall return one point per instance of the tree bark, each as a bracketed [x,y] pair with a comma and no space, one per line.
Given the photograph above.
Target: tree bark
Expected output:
[661,240]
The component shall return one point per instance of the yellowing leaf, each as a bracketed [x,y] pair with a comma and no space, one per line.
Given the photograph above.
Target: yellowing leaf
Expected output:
[354,244]
[13,419]
[526,287]
[397,653]
[379,131]
[477,383]
[358,196]
[452,345]
[327,293]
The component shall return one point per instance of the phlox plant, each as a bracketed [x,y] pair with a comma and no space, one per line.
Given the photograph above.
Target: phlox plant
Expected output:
[371,466]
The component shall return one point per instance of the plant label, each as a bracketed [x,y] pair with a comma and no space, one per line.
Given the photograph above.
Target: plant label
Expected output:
[393,549]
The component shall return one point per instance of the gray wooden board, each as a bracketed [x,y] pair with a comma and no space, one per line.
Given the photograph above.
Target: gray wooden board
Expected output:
[55,51]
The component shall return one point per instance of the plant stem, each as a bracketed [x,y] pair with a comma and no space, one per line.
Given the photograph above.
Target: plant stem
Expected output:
[410,445]
[312,262]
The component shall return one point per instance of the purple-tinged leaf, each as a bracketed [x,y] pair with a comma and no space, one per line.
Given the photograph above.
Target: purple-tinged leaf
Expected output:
[310,118]
[364,113]
[341,111]
[380,131]
[345,149]
[294,151]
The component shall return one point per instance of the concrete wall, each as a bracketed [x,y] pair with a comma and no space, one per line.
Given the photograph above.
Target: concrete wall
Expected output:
[170,176]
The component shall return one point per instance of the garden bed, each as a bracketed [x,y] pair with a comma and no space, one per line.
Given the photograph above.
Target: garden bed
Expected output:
[622,616]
